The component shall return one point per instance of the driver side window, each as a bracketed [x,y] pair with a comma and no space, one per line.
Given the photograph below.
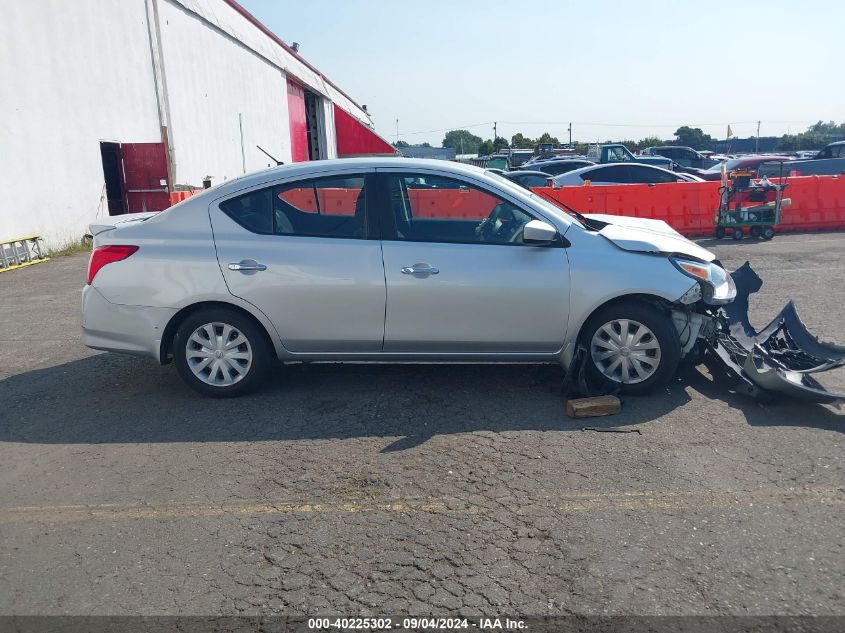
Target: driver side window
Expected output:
[437,209]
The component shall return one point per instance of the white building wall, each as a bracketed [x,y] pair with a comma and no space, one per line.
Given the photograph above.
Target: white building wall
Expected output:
[217,86]
[73,73]
[228,20]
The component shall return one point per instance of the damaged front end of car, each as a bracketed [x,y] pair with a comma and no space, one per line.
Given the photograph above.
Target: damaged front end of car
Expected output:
[777,359]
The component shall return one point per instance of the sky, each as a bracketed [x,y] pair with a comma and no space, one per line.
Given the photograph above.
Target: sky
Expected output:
[616,70]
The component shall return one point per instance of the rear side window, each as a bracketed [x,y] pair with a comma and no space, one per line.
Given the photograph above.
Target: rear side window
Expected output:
[533,181]
[556,169]
[324,207]
[641,174]
[616,173]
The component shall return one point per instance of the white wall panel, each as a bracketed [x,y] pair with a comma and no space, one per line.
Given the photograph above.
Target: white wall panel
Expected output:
[73,73]
[230,21]
[211,80]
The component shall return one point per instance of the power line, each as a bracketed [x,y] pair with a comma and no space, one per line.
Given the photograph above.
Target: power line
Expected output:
[599,124]
[449,129]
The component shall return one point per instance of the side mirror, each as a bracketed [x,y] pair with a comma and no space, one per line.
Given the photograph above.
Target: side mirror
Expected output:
[538,233]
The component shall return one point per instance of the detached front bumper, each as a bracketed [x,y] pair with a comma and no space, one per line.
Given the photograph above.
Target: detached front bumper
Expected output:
[779,358]
[126,329]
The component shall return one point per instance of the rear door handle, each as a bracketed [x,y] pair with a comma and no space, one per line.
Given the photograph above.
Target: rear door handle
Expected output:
[247,265]
[420,269]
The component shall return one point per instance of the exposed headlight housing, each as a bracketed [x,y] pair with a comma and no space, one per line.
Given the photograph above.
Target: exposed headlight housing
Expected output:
[717,286]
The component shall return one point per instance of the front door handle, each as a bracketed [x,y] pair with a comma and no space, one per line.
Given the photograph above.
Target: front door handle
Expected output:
[247,265]
[420,269]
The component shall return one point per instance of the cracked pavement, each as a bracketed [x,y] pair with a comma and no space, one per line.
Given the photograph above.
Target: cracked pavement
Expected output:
[401,489]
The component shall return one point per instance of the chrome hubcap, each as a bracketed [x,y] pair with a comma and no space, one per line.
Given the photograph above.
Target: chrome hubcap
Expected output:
[218,354]
[625,351]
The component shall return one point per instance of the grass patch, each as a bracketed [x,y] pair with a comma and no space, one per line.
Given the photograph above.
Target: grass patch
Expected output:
[82,246]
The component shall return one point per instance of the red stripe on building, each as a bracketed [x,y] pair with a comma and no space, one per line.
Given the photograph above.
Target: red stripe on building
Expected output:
[356,139]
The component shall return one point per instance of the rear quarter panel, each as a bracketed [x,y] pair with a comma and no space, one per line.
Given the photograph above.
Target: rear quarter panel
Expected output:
[175,266]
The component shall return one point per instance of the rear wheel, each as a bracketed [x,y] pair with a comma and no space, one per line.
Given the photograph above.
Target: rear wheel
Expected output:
[633,344]
[738,234]
[221,353]
[768,232]
[720,232]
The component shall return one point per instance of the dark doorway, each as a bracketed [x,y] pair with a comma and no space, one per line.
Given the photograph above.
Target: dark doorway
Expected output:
[313,103]
[113,173]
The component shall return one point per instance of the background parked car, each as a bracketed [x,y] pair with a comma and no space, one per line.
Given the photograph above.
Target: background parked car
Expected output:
[528,179]
[620,173]
[834,150]
[736,164]
[683,156]
[556,166]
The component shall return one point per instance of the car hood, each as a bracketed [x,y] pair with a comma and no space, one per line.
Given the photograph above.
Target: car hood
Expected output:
[648,236]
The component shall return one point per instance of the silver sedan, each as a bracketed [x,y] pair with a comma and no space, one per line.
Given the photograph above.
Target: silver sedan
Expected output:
[393,259]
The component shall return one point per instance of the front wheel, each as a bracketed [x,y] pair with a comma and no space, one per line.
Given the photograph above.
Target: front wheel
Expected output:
[632,344]
[768,232]
[221,353]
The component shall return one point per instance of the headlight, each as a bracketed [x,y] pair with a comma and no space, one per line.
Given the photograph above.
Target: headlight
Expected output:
[717,286]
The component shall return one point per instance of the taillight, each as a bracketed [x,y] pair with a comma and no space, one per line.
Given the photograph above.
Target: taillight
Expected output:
[103,255]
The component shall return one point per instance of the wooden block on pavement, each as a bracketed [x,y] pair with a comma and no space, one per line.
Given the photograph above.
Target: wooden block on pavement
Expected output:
[593,407]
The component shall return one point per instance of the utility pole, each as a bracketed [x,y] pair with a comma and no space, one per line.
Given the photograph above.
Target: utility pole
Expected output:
[570,134]
[757,139]
[495,135]
[397,130]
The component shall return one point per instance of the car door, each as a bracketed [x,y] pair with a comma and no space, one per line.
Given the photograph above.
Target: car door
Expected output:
[459,279]
[302,252]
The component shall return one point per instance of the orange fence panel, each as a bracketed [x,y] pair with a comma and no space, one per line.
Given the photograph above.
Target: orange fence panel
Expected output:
[818,202]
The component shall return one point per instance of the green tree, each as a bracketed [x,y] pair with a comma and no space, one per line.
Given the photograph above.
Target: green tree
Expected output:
[521,142]
[650,141]
[548,138]
[789,143]
[425,144]
[464,141]
[693,137]
[500,143]
[401,144]
[486,148]
[827,129]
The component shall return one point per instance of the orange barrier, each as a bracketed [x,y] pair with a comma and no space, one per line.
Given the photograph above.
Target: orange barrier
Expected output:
[467,204]
[177,196]
[818,202]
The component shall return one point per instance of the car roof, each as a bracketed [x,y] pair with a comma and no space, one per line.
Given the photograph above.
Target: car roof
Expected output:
[561,160]
[835,143]
[317,167]
[526,172]
[589,168]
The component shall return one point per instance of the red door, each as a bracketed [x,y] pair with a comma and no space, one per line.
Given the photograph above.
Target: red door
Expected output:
[298,122]
[145,177]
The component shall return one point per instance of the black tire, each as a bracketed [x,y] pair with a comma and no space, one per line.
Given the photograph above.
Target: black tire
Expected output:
[768,232]
[257,344]
[737,234]
[720,232]
[660,325]
[756,231]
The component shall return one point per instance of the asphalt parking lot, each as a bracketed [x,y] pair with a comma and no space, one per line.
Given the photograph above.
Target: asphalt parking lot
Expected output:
[412,489]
